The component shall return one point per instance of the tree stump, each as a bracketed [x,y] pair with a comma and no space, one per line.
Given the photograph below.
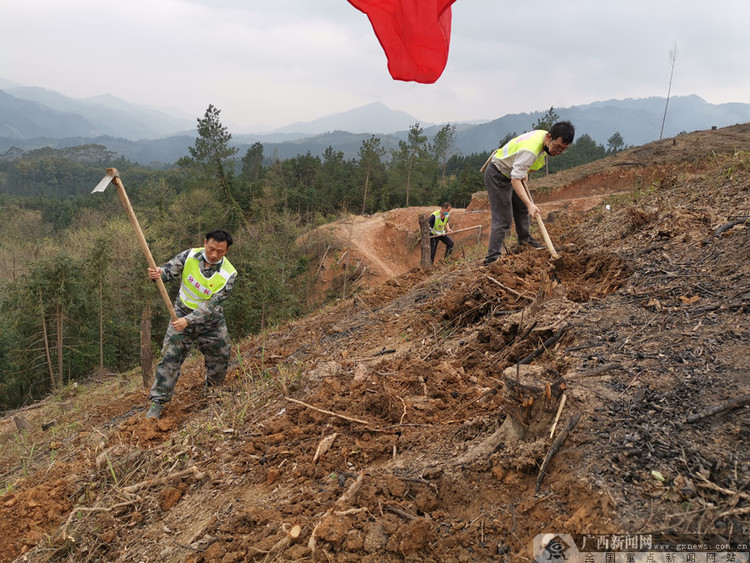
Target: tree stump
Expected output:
[530,399]
[424,238]
[21,423]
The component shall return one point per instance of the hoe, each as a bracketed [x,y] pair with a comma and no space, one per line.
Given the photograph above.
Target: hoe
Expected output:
[113,177]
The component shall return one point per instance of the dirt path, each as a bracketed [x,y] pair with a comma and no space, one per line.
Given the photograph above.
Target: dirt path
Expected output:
[365,242]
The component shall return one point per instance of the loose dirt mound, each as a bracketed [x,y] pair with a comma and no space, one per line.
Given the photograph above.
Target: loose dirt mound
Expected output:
[414,420]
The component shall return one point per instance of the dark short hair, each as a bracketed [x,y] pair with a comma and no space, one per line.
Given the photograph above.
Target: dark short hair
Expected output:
[446,204]
[563,129]
[220,235]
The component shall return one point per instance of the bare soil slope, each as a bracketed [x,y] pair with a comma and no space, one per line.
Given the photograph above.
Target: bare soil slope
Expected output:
[410,422]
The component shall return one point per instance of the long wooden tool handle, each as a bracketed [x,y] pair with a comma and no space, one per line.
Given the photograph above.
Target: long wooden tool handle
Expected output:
[545,234]
[487,162]
[144,245]
[458,231]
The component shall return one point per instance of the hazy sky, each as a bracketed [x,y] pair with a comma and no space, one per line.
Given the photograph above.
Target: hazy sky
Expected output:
[269,63]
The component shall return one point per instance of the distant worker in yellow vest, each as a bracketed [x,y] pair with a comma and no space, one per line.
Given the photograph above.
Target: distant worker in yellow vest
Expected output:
[439,231]
[206,280]
[508,167]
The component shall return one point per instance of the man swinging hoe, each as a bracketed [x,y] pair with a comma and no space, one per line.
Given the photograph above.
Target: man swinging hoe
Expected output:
[206,280]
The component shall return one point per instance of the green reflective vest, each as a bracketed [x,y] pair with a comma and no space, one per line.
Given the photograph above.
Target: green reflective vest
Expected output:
[195,287]
[439,227]
[532,141]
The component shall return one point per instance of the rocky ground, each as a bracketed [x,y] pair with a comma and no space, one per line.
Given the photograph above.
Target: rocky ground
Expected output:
[417,420]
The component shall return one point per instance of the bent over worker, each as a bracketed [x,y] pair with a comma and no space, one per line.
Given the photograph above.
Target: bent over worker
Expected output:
[509,167]
[206,280]
[439,231]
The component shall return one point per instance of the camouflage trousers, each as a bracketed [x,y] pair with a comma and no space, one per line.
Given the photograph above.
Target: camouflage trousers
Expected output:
[213,342]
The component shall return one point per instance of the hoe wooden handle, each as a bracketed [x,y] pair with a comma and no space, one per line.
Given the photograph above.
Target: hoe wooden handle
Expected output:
[542,228]
[141,239]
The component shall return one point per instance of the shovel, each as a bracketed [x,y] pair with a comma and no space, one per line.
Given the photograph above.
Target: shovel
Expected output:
[542,228]
[113,176]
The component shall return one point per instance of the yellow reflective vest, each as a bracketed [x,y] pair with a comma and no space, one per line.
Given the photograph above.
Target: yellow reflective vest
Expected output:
[195,287]
[438,228]
[532,141]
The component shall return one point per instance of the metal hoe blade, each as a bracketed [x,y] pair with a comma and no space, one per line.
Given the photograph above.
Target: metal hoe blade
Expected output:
[102,185]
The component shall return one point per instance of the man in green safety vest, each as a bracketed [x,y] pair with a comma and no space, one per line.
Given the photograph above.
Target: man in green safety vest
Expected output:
[206,280]
[439,231]
[508,167]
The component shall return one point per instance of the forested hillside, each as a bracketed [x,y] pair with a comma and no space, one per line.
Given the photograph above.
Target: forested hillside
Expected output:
[75,297]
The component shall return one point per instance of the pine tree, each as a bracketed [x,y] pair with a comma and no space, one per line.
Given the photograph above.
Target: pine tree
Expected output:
[442,147]
[213,155]
[547,120]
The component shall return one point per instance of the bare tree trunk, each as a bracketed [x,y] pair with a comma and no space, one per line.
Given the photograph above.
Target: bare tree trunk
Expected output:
[408,183]
[672,57]
[348,254]
[424,237]
[147,356]
[364,199]
[52,379]
[101,327]
[59,321]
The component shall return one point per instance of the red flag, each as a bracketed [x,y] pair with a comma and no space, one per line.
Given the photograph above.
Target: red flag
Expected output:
[415,35]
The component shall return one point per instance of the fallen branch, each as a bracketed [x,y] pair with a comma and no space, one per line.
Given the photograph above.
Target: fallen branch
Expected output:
[583,346]
[735,512]
[424,385]
[345,498]
[350,511]
[725,406]
[321,261]
[505,287]
[726,226]
[403,415]
[183,546]
[714,487]
[553,449]
[545,345]
[291,533]
[349,418]
[324,446]
[419,480]
[352,490]
[559,412]
[375,355]
[162,480]
[79,509]
[595,371]
[399,511]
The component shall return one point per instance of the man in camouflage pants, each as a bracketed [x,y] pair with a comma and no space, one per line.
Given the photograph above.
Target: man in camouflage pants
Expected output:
[206,279]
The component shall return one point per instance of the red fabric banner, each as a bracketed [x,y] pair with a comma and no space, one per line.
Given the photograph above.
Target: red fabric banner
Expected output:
[415,35]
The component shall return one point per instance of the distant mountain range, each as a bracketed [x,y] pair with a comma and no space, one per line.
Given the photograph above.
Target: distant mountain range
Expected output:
[32,117]
[374,118]
[30,112]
